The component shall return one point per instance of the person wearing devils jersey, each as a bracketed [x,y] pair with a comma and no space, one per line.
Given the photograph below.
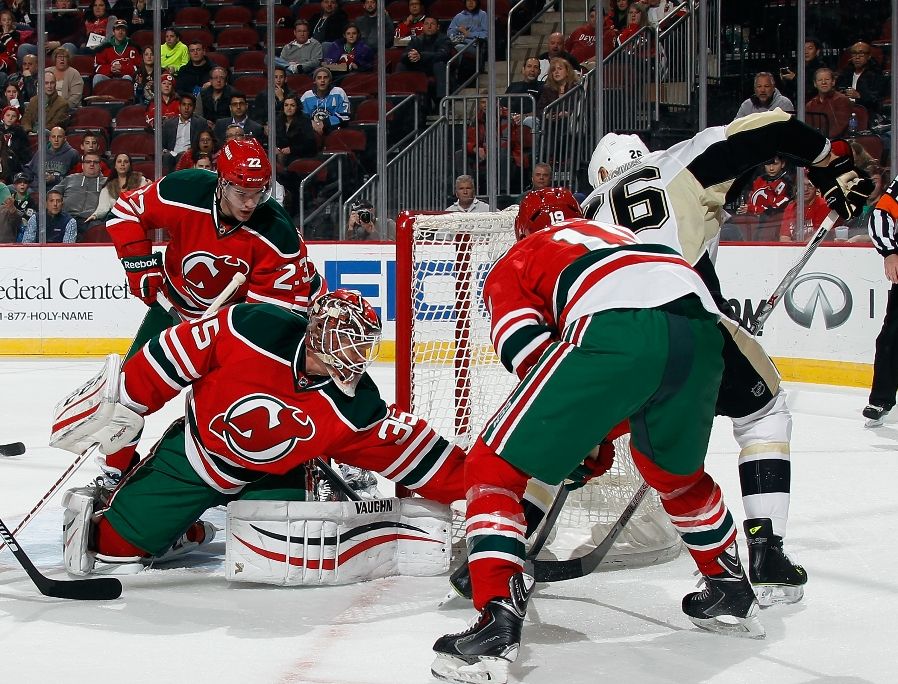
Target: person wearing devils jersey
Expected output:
[599,328]
[217,226]
[269,390]
[770,190]
[675,197]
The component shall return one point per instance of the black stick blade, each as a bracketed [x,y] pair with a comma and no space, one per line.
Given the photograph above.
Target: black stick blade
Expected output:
[12,449]
[99,589]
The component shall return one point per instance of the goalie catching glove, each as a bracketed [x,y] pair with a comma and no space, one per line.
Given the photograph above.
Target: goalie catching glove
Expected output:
[844,187]
[146,277]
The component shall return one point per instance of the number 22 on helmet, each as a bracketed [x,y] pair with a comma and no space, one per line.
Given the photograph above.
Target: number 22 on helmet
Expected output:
[244,178]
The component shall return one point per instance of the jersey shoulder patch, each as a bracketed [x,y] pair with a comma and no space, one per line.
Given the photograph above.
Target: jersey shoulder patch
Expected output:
[269,327]
[364,409]
[193,187]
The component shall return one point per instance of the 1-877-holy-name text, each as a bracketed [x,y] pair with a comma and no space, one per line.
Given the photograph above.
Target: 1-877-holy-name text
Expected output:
[46,315]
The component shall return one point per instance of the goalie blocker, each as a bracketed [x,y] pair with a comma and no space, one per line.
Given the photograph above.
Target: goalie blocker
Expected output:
[290,543]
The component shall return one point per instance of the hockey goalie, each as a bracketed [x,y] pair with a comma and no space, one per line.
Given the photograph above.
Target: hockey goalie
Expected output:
[269,390]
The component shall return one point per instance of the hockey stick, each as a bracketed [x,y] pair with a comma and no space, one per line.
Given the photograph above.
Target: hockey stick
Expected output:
[12,449]
[789,278]
[334,478]
[98,589]
[558,571]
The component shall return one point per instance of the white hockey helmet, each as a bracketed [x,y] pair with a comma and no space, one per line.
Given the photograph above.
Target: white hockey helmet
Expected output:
[614,151]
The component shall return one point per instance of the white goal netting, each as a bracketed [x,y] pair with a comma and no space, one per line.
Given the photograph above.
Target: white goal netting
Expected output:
[448,373]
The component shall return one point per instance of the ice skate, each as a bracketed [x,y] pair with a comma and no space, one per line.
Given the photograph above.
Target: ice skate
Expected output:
[775,578]
[200,534]
[483,652]
[875,415]
[727,604]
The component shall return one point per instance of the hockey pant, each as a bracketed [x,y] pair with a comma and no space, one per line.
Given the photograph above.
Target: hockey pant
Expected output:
[660,369]
[154,322]
[762,423]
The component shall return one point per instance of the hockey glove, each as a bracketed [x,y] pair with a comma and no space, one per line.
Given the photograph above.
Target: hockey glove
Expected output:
[844,187]
[145,276]
[595,465]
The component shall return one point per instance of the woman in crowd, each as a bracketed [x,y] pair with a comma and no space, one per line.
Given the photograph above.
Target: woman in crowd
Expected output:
[15,151]
[324,103]
[561,79]
[637,18]
[204,144]
[69,83]
[294,134]
[141,17]
[97,25]
[468,25]
[122,177]
[9,42]
[143,82]
[619,13]
[351,51]
[12,97]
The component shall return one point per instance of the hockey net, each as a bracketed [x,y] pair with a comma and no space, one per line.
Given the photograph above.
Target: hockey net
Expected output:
[448,373]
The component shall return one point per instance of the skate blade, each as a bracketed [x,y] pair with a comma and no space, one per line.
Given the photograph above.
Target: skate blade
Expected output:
[773,594]
[749,627]
[874,422]
[448,668]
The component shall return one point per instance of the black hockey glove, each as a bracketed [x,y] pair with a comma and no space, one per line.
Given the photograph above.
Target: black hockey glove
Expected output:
[844,187]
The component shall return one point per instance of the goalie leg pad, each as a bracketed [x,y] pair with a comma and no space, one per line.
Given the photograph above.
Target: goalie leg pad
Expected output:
[77,525]
[292,543]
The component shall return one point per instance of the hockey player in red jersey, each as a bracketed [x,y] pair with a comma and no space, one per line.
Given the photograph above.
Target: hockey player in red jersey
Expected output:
[600,328]
[216,226]
[269,390]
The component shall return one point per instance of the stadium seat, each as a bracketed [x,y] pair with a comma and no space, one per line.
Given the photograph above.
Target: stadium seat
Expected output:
[345,140]
[398,10]
[303,167]
[353,10]
[443,10]
[392,57]
[366,112]
[231,16]
[234,40]
[130,119]
[407,83]
[359,84]
[114,91]
[219,59]
[144,37]
[250,63]
[201,35]
[872,144]
[299,83]
[282,36]
[251,85]
[140,146]
[83,63]
[282,15]
[95,234]
[147,168]
[308,11]
[191,18]
[88,118]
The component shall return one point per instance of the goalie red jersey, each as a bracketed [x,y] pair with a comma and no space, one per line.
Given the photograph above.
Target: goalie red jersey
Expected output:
[570,270]
[253,410]
[203,254]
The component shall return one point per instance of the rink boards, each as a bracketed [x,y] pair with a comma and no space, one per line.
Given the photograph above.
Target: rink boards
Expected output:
[72,301]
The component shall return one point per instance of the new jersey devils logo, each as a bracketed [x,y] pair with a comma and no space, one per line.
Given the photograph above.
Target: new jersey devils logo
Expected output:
[206,275]
[262,428]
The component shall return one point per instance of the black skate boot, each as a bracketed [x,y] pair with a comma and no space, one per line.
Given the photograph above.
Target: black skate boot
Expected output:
[727,603]
[776,579]
[875,414]
[460,581]
[483,652]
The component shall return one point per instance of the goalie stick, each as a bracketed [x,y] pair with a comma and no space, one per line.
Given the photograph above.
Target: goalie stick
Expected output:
[336,480]
[12,449]
[789,278]
[98,589]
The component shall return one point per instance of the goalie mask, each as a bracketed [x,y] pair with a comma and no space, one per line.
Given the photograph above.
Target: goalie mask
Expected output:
[542,208]
[244,182]
[344,333]
[615,153]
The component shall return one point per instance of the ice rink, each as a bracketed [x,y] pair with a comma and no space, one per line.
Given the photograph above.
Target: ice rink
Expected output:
[187,624]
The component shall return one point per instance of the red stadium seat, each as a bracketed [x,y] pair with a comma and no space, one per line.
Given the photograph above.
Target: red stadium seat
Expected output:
[140,146]
[359,84]
[282,15]
[147,168]
[345,140]
[303,167]
[299,83]
[406,83]
[250,63]
[219,59]
[308,11]
[131,119]
[191,17]
[392,57]
[144,37]
[444,10]
[83,63]
[872,144]
[282,36]
[234,40]
[398,10]
[89,118]
[113,90]
[201,35]
[251,85]
[232,16]
[96,234]
[367,111]
[353,10]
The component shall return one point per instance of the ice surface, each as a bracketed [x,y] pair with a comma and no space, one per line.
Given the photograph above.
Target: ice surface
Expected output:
[187,624]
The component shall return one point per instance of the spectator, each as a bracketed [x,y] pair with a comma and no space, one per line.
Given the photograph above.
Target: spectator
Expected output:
[835,106]
[124,177]
[582,41]
[468,25]
[9,216]
[9,42]
[294,134]
[530,85]
[58,161]
[194,75]
[60,226]
[561,79]
[203,145]
[141,16]
[303,54]
[12,98]
[21,12]
[429,53]
[81,191]
[170,103]
[180,133]
[770,191]
[238,117]
[97,26]
[233,132]
[541,177]
[324,103]
[658,10]
[864,83]
[555,48]
[215,100]
[143,80]
[24,201]
[204,161]
[413,24]
[766,97]
[328,24]
[57,108]
[815,210]
[619,13]
[69,83]
[465,200]
[14,142]
[281,92]
[367,25]
[25,80]
[173,52]
[64,29]
[812,62]
[90,145]
[119,58]
[361,226]
[350,53]
[637,19]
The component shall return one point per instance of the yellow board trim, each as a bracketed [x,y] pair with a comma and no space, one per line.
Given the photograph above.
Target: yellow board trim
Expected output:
[818,371]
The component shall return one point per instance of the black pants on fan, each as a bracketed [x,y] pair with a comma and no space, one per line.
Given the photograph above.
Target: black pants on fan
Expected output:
[885,363]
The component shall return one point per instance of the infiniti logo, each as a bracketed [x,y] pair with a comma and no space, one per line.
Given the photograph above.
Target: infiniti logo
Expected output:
[822,289]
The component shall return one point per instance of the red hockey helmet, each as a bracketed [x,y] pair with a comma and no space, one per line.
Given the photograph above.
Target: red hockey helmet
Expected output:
[542,208]
[244,163]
